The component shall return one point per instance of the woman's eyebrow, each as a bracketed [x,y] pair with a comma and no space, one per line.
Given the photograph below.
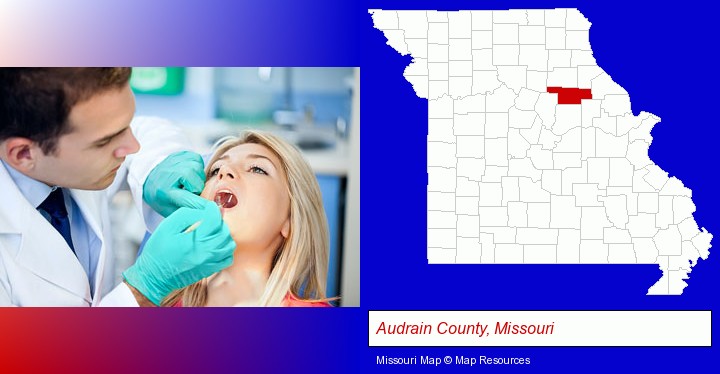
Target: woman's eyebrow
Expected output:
[223,157]
[255,155]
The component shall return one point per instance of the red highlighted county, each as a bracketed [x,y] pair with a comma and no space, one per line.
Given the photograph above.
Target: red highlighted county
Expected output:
[570,95]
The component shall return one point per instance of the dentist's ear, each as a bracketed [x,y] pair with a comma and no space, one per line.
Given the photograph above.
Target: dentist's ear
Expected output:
[20,153]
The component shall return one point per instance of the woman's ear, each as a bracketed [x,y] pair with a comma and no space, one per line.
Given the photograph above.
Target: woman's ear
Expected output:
[285,231]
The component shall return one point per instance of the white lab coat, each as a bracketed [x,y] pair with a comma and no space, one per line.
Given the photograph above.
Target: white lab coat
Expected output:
[37,268]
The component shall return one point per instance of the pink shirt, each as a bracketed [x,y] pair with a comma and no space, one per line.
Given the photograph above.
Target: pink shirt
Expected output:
[290,300]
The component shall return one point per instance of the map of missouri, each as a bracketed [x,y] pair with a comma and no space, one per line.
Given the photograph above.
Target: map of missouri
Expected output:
[534,155]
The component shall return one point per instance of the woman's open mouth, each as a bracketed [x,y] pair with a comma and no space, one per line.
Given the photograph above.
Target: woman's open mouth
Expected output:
[225,199]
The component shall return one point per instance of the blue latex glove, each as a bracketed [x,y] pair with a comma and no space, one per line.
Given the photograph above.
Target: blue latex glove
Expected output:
[173,258]
[175,182]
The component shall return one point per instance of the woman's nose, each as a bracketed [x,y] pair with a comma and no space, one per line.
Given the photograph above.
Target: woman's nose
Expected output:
[225,173]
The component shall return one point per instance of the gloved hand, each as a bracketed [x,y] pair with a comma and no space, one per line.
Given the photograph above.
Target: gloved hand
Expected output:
[175,182]
[173,259]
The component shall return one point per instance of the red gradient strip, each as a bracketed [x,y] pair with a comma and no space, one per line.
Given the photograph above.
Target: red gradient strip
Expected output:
[570,95]
[177,340]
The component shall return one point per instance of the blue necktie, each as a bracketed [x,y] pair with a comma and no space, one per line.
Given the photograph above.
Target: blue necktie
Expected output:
[54,206]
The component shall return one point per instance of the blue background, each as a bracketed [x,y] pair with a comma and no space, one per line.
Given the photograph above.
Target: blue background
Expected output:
[664,56]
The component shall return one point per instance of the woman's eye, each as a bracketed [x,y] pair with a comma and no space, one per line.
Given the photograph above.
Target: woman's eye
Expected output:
[213,172]
[259,170]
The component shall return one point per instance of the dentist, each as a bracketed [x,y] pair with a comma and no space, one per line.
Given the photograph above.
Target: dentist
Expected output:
[68,142]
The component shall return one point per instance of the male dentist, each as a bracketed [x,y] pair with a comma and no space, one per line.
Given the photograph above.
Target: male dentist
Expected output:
[68,141]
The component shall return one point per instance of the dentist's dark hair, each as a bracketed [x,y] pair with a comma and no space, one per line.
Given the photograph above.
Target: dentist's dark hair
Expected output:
[35,103]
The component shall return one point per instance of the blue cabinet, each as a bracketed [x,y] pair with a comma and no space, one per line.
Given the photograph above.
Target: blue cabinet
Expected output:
[332,189]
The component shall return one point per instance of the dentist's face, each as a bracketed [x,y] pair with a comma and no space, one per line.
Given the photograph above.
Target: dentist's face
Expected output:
[89,156]
[249,179]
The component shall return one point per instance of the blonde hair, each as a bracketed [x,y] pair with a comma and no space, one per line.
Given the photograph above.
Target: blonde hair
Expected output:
[300,263]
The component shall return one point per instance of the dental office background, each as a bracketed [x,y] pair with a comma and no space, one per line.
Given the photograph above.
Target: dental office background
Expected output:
[317,109]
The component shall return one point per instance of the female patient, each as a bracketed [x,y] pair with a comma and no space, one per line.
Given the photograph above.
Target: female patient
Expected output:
[271,202]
